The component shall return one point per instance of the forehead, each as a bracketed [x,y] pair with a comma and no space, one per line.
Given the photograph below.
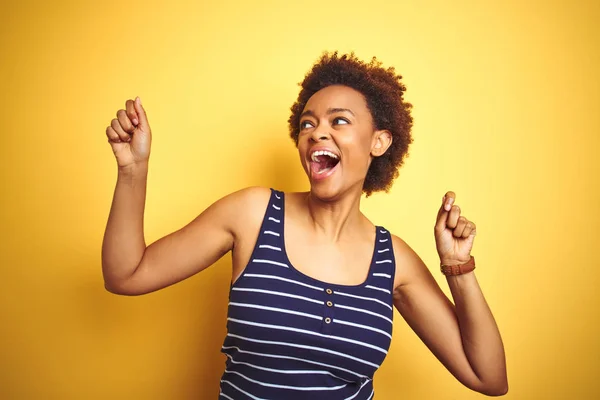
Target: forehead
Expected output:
[337,96]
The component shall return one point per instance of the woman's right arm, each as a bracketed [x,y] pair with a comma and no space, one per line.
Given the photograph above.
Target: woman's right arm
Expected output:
[129,266]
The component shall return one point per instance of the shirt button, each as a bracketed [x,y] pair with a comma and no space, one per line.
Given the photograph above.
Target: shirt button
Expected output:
[329,291]
[327,320]
[329,304]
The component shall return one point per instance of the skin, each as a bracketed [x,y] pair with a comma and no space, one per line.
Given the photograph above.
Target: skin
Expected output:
[462,335]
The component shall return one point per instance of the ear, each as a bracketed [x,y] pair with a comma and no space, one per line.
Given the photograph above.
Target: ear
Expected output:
[381,142]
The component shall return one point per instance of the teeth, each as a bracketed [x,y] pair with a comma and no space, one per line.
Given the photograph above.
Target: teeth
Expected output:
[317,153]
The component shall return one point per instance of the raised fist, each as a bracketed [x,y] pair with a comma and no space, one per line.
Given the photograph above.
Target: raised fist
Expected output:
[129,135]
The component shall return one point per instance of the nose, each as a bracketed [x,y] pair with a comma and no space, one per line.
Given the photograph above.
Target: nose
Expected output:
[320,133]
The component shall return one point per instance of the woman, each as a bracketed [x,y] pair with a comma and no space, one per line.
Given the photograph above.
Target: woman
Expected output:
[314,281]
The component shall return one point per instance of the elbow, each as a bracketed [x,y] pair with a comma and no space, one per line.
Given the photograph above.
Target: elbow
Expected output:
[111,287]
[499,391]
[119,284]
[495,390]
[495,387]
[128,287]
[119,288]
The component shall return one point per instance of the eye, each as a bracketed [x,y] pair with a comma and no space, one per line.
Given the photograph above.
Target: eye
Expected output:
[305,125]
[340,121]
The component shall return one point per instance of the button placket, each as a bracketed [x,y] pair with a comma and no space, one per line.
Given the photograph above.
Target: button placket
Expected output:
[328,311]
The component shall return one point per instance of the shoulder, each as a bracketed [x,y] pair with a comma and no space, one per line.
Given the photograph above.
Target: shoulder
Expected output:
[252,196]
[409,266]
[244,205]
[246,200]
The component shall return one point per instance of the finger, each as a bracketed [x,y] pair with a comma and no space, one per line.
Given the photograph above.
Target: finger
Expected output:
[144,125]
[125,122]
[442,215]
[117,127]
[112,135]
[453,217]
[440,222]
[460,227]
[447,202]
[131,113]
[469,228]
[449,199]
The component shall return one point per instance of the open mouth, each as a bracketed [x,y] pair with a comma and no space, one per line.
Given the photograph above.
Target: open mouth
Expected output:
[322,162]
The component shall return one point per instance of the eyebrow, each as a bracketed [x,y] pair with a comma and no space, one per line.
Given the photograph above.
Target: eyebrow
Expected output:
[329,112]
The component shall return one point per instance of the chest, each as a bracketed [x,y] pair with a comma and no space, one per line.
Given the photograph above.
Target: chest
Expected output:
[345,262]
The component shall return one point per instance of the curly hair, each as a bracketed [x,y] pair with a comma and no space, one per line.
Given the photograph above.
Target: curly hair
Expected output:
[383,91]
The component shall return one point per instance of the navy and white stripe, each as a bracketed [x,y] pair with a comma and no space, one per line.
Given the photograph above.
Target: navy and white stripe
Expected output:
[294,337]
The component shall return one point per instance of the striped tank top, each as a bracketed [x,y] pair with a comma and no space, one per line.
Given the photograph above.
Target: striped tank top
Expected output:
[290,336]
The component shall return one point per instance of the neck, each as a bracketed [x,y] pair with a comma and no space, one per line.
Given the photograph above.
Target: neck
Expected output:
[333,218]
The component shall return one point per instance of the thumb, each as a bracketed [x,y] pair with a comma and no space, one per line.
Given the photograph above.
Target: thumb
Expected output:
[143,124]
[442,216]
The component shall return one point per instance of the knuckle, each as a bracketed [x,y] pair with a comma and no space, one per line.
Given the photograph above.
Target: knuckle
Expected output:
[124,120]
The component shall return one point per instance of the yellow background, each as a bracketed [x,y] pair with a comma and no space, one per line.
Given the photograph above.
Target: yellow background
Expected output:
[506,110]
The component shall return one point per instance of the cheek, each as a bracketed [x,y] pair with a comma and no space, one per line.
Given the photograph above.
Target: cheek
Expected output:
[358,151]
[302,149]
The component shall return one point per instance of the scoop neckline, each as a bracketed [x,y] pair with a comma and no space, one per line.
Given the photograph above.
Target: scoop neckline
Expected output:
[315,280]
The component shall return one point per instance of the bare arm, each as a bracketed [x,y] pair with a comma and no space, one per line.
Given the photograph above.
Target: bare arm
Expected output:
[124,245]
[479,332]
[464,335]
[180,254]
[129,266]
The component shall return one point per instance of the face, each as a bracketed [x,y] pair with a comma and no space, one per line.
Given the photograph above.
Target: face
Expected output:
[338,141]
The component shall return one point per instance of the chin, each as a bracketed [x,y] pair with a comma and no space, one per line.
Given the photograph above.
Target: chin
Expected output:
[331,191]
[325,193]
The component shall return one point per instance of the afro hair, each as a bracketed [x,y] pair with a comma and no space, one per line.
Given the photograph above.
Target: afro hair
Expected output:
[383,92]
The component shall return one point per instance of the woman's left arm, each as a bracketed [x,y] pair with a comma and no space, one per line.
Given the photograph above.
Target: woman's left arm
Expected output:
[464,335]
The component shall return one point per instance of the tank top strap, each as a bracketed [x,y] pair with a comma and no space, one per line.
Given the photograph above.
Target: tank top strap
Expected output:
[383,268]
[270,239]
